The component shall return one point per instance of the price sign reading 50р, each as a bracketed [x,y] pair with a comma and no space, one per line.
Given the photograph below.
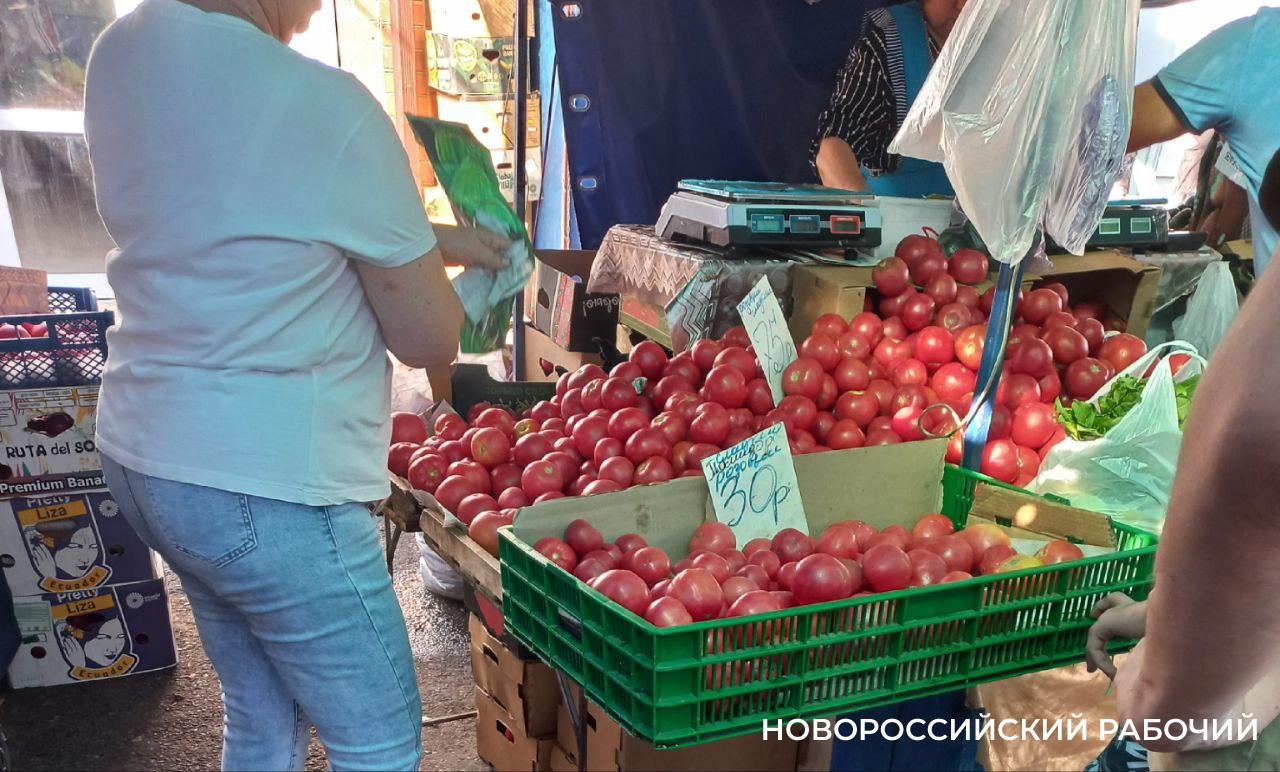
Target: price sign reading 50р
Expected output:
[767,328]
[753,486]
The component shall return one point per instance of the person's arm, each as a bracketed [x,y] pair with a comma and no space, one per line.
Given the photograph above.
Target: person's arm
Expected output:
[1213,629]
[1154,121]
[1194,92]
[858,121]
[374,213]
[838,166]
[418,312]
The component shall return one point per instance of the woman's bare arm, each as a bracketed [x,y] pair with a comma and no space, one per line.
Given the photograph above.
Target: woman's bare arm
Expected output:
[1153,120]
[838,166]
[417,310]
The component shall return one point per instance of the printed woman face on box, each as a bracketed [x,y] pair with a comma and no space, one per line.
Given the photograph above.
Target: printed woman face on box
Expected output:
[77,554]
[104,644]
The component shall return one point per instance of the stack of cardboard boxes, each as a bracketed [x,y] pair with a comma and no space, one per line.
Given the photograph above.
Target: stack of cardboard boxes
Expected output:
[470,56]
[523,724]
[88,596]
[516,703]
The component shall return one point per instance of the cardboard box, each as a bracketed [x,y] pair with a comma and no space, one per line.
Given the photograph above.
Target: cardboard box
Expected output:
[92,635]
[65,543]
[493,121]
[23,291]
[504,166]
[48,433]
[559,304]
[545,361]
[611,748]
[500,743]
[464,66]
[479,18]
[1128,287]
[826,289]
[561,761]
[526,690]
[889,485]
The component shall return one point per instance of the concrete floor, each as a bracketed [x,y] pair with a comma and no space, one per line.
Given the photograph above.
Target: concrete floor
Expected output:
[173,720]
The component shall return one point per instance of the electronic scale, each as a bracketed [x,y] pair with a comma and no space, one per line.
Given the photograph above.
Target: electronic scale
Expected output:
[1132,223]
[729,213]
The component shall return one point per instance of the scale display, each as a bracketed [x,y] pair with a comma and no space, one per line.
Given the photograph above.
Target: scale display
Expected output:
[1135,223]
[742,213]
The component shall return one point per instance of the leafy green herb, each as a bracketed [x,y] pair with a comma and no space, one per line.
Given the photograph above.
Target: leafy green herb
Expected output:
[1084,421]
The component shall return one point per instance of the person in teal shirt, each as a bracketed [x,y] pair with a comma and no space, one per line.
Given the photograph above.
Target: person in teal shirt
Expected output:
[1226,82]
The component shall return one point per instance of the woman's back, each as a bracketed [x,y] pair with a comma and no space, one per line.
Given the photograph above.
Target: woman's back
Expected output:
[237,178]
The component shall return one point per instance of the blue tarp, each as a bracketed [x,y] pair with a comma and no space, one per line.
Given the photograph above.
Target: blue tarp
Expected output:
[660,90]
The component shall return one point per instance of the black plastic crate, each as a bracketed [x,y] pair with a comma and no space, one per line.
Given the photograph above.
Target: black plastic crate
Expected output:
[70,300]
[74,353]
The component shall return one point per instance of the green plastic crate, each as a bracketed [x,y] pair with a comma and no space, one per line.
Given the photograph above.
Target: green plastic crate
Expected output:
[711,680]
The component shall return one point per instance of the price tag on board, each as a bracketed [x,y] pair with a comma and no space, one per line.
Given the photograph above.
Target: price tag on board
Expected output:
[767,328]
[753,486]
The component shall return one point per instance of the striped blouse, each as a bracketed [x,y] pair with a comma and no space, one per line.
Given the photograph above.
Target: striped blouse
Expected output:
[869,102]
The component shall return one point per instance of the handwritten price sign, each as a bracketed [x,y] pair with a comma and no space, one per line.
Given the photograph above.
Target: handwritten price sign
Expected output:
[767,328]
[753,486]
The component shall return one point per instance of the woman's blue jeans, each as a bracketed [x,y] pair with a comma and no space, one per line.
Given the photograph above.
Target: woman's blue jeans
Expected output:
[296,612]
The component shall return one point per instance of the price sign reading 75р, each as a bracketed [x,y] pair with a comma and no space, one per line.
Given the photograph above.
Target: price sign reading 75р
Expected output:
[767,328]
[753,486]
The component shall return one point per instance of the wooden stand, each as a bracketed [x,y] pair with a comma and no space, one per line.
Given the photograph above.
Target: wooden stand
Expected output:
[399,513]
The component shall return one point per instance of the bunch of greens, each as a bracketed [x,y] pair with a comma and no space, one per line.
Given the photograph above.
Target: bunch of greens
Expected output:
[1085,421]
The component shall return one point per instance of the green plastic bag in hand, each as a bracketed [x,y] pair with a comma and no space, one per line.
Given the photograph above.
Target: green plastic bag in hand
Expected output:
[466,175]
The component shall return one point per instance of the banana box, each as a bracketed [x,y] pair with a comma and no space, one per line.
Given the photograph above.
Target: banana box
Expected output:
[46,440]
[92,635]
[69,542]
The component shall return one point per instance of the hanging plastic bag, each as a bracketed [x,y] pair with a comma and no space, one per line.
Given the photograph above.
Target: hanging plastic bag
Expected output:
[1129,471]
[1028,108]
[1210,311]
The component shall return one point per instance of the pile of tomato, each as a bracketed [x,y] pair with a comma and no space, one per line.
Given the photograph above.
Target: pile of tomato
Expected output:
[920,343]
[879,378]
[849,559]
[9,331]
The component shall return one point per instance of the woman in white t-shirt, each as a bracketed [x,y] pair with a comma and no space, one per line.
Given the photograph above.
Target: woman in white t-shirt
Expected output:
[272,246]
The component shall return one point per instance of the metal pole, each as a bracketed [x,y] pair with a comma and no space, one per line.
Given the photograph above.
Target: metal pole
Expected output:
[520,70]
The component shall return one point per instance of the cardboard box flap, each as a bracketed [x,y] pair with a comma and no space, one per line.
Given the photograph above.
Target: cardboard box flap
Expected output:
[572,262]
[882,485]
[1036,517]
[1097,260]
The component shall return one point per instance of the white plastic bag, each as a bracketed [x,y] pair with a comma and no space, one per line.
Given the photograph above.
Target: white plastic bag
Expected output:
[437,576]
[1210,311]
[1028,108]
[1128,472]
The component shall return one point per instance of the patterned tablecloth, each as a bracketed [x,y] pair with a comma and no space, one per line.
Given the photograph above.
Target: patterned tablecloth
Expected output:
[697,287]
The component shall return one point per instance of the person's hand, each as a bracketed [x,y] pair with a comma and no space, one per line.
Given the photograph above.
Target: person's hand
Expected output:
[40,555]
[72,651]
[472,247]
[1119,616]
